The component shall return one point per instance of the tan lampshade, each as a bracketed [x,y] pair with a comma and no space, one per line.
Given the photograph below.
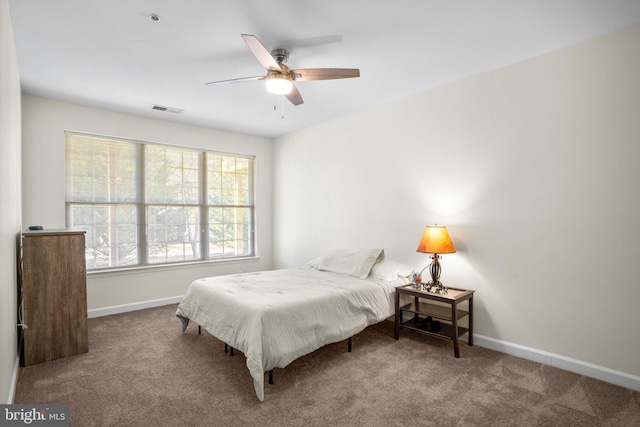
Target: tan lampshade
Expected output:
[436,240]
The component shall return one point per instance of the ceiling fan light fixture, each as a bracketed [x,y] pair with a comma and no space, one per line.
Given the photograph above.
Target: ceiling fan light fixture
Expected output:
[279,84]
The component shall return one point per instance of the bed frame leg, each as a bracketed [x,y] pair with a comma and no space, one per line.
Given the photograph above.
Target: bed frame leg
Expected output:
[349,345]
[199,329]
[231,352]
[271,376]
[227,347]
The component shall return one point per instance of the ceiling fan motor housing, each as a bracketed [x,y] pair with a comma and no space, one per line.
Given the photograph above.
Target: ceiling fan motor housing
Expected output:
[280,55]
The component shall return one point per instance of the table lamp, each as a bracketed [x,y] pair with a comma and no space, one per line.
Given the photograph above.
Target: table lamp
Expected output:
[435,240]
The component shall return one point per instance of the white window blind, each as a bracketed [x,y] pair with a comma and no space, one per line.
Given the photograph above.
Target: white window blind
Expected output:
[146,204]
[173,199]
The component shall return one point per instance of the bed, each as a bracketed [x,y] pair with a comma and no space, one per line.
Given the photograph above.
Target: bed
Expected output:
[274,317]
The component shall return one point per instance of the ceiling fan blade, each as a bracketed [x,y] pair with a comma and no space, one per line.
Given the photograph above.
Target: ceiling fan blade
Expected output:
[234,81]
[294,96]
[324,73]
[261,52]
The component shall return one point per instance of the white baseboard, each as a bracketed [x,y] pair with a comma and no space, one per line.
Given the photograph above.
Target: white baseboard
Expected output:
[573,365]
[116,309]
[14,382]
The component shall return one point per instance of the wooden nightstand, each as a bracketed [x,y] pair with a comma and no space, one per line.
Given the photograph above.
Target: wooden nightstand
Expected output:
[440,308]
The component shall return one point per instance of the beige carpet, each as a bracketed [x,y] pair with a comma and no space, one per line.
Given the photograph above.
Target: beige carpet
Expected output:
[142,371]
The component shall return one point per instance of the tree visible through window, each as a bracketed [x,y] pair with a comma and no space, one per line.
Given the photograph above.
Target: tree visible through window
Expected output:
[146,204]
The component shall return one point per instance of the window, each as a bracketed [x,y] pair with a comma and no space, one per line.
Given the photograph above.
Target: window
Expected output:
[148,204]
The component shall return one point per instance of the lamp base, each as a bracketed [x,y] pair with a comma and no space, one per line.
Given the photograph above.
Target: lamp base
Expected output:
[435,287]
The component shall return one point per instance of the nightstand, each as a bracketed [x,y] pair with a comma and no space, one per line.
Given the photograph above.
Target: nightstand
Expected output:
[429,309]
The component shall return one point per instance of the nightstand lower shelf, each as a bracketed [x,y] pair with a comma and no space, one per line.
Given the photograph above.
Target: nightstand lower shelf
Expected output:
[445,331]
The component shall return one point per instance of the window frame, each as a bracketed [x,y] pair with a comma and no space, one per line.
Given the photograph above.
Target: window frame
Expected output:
[142,205]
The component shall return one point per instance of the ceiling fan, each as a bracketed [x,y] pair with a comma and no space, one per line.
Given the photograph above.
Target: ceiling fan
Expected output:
[279,78]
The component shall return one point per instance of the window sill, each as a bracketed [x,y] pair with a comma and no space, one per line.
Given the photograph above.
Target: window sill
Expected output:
[164,267]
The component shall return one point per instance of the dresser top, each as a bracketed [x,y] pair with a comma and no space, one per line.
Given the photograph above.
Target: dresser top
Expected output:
[52,232]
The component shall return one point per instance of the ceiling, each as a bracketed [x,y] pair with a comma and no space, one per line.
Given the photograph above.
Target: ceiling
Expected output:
[110,54]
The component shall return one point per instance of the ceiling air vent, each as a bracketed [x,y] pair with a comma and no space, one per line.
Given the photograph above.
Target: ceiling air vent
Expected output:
[167,109]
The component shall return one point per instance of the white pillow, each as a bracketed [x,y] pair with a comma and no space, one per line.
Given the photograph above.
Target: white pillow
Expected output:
[400,281]
[389,270]
[314,262]
[353,263]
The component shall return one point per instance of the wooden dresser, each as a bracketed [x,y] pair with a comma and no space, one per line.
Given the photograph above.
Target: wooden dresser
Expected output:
[54,295]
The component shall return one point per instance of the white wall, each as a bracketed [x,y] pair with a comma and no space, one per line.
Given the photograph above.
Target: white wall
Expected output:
[9,201]
[534,170]
[44,123]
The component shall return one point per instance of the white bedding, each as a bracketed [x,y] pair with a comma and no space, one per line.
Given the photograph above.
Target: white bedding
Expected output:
[274,317]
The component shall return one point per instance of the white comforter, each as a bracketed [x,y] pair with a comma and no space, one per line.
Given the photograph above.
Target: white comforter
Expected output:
[274,317]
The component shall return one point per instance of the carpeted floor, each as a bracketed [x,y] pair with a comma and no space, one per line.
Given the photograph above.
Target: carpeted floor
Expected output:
[142,371]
